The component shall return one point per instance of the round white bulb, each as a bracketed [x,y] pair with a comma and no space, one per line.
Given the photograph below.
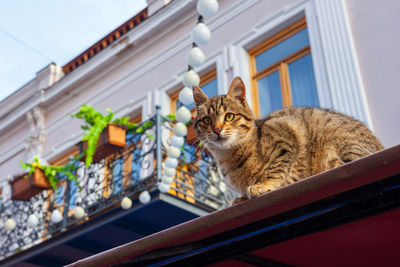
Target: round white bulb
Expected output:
[169,172]
[195,57]
[126,203]
[10,224]
[33,220]
[167,179]
[173,152]
[163,188]
[171,163]
[183,115]
[191,78]
[180,129]
[201,34]
[207,8]
[144,197]
[79,212]
[176,141]
[56,216]
[186,96]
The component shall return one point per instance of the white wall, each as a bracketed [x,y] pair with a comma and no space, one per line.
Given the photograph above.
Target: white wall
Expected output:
[375,27]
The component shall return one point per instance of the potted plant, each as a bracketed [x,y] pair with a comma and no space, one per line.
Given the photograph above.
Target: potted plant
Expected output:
[104,134]
[38,178]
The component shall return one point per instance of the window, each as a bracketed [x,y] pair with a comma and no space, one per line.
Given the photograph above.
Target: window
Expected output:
[59,194]
[209,85]
[125,164]
[282,71]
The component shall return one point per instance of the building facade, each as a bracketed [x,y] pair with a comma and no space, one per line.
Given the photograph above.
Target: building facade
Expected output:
[338,54]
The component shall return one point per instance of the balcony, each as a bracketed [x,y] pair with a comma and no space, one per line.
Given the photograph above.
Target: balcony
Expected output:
[197,189]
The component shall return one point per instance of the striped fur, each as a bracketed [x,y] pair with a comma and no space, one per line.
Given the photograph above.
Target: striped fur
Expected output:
[260,155]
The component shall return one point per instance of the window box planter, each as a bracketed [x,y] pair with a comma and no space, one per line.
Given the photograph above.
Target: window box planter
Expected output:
[25,187]
[111,140]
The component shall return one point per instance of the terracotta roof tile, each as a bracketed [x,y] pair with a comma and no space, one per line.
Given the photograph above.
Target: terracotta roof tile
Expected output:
[105,41]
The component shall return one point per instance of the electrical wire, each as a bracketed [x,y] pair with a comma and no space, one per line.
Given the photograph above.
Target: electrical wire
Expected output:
[26,45]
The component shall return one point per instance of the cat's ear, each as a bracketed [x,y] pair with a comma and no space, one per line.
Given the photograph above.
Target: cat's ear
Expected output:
[199,96]
[237,90]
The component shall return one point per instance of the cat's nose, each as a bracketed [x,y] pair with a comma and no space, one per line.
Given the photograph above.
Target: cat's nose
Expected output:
[217,130]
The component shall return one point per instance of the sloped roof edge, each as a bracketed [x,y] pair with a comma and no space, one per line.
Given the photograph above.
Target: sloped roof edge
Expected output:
[105,41]
[353,175]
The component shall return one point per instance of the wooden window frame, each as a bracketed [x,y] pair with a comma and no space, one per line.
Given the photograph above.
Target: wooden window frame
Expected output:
[281,65]
[206,78]
[65,158]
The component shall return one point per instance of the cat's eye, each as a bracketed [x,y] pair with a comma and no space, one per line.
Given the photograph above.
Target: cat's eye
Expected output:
[207,120]
[229,117]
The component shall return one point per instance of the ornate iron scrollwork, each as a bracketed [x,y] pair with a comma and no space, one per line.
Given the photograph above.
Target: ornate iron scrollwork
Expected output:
[125,173]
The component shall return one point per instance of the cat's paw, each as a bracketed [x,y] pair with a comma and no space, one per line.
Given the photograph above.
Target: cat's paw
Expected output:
[258,190]
[239,199]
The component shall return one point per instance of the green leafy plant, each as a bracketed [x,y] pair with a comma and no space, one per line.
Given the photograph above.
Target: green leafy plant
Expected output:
[171,116]
[95,123]
[146,125]
[51,172]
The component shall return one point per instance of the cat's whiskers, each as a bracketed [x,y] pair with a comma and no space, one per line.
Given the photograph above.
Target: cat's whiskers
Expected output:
[260,155]
[204,146]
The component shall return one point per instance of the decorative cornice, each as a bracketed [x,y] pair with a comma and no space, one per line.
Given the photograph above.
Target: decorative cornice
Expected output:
[93,66]
[105,41]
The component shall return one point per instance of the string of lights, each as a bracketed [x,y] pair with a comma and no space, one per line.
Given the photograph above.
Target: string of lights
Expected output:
[200,35]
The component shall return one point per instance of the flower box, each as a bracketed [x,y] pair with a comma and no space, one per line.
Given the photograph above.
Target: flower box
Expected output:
[25,187]
[111,140]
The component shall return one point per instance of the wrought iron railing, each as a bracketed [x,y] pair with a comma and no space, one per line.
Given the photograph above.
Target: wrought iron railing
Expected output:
[126,173]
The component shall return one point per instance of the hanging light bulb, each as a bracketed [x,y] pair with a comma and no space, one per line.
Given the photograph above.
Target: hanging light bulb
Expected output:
[207,8]
[183,115]
[56,216]
[126,203]
[163,188]
[79,212]
[191,78]
[173,152]
[144,197]
[179,129]
[201,34]
[195,57]
[176,141]
[33,220]
[167,179]
[186,96]
[169,171]
[10,224]
[171,163]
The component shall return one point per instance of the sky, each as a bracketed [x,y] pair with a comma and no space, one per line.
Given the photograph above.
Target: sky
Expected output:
[35,33]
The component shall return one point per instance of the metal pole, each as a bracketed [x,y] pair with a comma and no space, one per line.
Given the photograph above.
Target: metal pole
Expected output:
[158,140]
[66,206]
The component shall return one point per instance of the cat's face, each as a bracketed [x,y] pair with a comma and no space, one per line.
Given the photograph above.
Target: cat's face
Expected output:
[223,122]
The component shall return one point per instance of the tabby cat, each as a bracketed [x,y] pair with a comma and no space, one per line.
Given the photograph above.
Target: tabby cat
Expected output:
[259,155]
